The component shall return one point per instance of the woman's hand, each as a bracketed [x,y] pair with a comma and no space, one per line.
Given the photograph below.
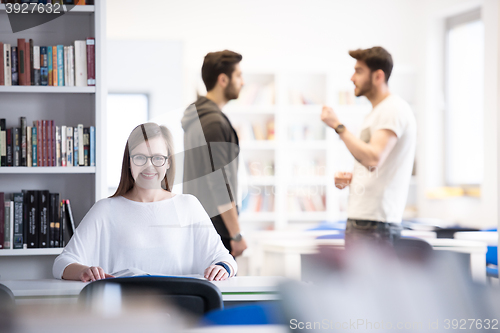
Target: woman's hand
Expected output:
[93,273]
[216,273]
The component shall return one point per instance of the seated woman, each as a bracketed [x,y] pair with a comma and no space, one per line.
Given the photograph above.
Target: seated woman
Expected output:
[143,225]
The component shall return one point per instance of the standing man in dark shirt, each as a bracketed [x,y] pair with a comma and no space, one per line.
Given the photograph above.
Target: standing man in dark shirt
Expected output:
[211,147]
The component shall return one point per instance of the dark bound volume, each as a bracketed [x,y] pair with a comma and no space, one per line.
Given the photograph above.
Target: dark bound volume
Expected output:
[3,156]
[27,62]
[14,66]
[10,151]
[63,229]
[18,220]
[17,146]
[71,221]
[44,207]
[44,66]
[31,202]
[54,219]
[21,45]
[23,161]
[32,69]
[86,146]
[91,61]
[2,62]
[2,219]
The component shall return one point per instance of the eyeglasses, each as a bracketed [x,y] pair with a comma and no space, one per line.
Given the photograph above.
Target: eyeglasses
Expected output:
[156,160]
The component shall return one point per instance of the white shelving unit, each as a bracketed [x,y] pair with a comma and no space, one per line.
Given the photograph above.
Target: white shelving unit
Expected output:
[70,106]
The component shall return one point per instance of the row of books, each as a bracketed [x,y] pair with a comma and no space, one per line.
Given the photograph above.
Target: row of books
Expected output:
[308,167]
[34,219]
[256,94]
[46,145]
[306,203]
[31,65]
[256,168]
[256,131]
[255,203]
[61,2]
[304,132]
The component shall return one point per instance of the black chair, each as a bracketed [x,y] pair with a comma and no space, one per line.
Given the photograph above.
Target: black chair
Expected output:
[195,296]
[7,299]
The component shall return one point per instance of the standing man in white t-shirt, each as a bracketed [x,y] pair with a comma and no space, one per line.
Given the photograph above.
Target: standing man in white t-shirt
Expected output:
[384,153]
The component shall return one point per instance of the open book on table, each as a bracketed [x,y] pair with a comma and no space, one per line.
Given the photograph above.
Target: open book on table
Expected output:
[137,272]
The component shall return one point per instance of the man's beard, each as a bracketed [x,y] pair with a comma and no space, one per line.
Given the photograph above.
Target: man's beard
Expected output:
[366,88]
[231,92]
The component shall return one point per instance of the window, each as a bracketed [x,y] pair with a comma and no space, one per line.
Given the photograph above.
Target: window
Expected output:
[124,113]
[464,76]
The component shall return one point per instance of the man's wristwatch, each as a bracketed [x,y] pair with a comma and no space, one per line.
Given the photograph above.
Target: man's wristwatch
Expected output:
[237,237]
[340,129]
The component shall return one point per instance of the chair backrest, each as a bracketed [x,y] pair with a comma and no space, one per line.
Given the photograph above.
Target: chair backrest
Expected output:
[195,296]
[7,299]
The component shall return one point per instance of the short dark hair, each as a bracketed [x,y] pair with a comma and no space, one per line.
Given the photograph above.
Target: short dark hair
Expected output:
[375,58]
[216,63]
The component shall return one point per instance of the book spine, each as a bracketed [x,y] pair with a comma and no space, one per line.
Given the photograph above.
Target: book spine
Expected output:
[29,147]
[55,72]
[66,65]
[64,158]
[10,150]
[60,65]
[37,77]
[71,54]
[57,222]
[52,219]
[62,229]
[92,146]
[86,146]
[21,59]
[3,64]
[32,62]
[80,63]
[76,142]
[7,238]
[69,149]
[80,2]
[14,65]
[3,140]
[91,61]
[27,62]
[53,142]
[16,145]
[7,65]
[2,220]
[49,143]
[44,142]
[18,220]
[44,66]
[39,143]
[80,146]
[58,146]
[33,219]
[34,148]
[71,221]
[23,141]
[44,218]
[49,66]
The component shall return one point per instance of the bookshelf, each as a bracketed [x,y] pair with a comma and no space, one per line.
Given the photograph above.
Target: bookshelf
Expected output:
[83,186]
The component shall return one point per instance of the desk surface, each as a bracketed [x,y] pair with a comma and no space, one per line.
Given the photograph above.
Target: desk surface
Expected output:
[489,237]
[239,288]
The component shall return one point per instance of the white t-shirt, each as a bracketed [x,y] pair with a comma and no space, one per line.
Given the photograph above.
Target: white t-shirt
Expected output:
[168,237]
[381,195]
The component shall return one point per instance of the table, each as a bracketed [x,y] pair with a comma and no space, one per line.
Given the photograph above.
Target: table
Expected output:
[283,257]
[237,289]
[489,237]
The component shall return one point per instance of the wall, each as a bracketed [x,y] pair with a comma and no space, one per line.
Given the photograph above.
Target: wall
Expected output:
[466,211]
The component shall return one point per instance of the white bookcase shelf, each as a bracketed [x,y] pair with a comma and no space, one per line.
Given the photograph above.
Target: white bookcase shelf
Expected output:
[31,252]
[47,170]
[47,89]
[68,106]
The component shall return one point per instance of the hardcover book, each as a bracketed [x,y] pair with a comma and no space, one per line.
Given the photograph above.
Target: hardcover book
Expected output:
[14,65]
[33,220]
[18,199]
[44,207]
